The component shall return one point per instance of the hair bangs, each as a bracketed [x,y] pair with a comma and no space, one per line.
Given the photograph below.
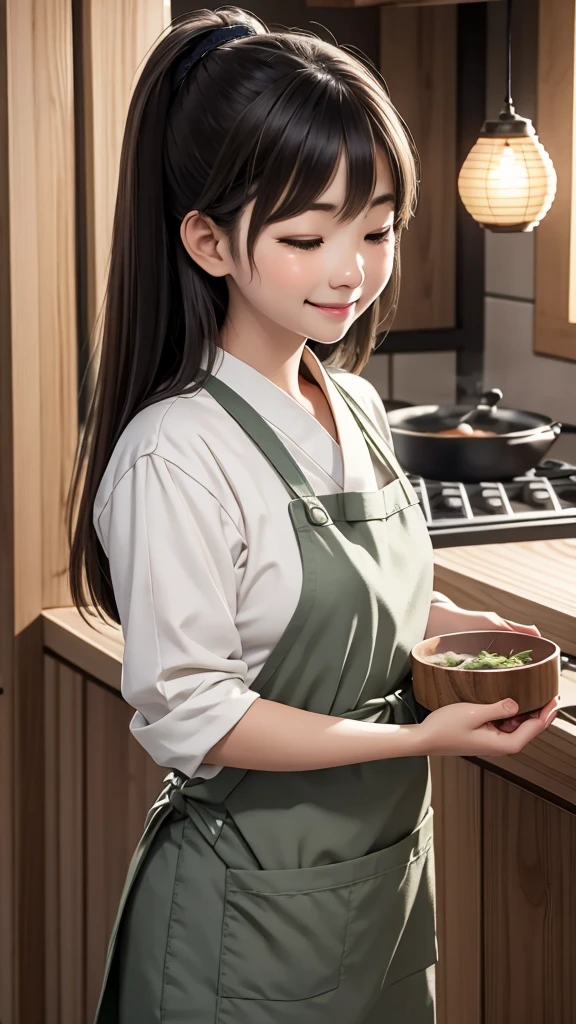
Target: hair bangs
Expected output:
[392,136]
[360,149]
[299,150]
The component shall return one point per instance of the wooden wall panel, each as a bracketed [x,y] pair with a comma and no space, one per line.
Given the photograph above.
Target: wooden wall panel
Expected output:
[56,255]
[116,38]
[21,104]
[20,369]
[39,215]
[419,63]
[456,798]
[555,316]
[529,907]
[7,567]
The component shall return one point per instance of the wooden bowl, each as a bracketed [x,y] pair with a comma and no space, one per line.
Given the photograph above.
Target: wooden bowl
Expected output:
[531,685]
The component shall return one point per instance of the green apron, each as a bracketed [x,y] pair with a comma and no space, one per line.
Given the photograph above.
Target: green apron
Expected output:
[301,897]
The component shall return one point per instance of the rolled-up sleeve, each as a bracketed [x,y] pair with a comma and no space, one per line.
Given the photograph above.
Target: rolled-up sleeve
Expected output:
[172,550]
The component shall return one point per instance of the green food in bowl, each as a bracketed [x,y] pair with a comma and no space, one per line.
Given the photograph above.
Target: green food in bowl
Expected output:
[481,661]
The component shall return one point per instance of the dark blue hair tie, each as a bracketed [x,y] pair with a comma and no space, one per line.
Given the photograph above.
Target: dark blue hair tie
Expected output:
[209,42]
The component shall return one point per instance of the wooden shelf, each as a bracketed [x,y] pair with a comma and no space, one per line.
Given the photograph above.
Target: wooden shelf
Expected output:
[96,653]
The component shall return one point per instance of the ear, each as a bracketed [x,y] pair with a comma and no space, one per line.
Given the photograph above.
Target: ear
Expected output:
[206,243]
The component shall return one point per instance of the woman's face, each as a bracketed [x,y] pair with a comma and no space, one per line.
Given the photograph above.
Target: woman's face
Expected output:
[312,261]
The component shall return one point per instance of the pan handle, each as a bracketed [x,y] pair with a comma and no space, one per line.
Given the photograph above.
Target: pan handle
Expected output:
[548,428]
[547,432]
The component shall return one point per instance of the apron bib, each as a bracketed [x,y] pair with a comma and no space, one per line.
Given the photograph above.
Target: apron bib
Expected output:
[301,897]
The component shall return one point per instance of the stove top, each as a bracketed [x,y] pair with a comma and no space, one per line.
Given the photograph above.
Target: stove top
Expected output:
[537,506]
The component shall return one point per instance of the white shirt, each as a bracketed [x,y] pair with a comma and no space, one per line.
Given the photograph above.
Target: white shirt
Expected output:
[203,557]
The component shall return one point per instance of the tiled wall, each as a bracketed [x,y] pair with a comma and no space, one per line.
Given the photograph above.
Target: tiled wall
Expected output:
[417,377]
[537,383]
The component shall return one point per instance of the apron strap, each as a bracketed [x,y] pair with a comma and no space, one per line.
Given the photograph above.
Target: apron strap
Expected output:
[384,452]
[263,436]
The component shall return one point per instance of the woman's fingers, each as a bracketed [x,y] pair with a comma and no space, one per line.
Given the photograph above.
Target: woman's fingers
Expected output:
[535,724]
[519,627]
[469,729]
[550,709]
[511,724]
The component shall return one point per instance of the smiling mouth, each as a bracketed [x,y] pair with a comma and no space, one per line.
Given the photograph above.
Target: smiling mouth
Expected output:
[332,305]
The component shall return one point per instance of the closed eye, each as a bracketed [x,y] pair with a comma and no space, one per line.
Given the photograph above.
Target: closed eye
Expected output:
[308,244]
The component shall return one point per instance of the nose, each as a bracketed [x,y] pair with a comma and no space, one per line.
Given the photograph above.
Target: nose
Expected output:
[347,272]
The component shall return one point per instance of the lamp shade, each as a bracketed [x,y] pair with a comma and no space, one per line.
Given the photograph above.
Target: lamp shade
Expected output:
[508,181]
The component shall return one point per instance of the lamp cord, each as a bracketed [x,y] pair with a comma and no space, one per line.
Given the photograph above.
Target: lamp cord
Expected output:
[508,99]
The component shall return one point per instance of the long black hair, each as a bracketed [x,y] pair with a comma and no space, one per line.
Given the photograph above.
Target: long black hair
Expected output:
[264,117]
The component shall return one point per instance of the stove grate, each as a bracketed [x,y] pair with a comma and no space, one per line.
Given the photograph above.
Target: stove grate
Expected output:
[533,507]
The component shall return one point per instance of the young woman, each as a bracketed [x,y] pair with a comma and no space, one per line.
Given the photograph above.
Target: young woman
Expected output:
[243,517]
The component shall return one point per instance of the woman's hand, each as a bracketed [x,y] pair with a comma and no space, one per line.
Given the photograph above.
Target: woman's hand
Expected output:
[448,617]
[470,730]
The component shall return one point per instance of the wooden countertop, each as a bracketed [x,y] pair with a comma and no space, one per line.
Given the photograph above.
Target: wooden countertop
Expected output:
[530,581]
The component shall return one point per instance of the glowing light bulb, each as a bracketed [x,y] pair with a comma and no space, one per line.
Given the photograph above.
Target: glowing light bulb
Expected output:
[508,181]
[509,175]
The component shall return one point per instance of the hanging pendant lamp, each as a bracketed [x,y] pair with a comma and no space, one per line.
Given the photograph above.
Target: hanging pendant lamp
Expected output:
[508,181]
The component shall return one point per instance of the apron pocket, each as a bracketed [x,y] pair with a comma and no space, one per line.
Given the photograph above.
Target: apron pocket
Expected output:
[296,934]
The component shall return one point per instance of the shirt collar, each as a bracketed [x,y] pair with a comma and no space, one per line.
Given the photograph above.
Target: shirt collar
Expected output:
[349,464]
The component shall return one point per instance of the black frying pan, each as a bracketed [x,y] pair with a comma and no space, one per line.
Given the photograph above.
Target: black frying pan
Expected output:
[521,440]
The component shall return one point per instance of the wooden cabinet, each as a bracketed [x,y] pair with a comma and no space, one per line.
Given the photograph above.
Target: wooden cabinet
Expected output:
[98,786]
[457,801]
[529,874]
[64,819]
[122,783]
[506,894]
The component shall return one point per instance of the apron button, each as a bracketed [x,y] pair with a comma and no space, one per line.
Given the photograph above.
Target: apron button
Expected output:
[318,515]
